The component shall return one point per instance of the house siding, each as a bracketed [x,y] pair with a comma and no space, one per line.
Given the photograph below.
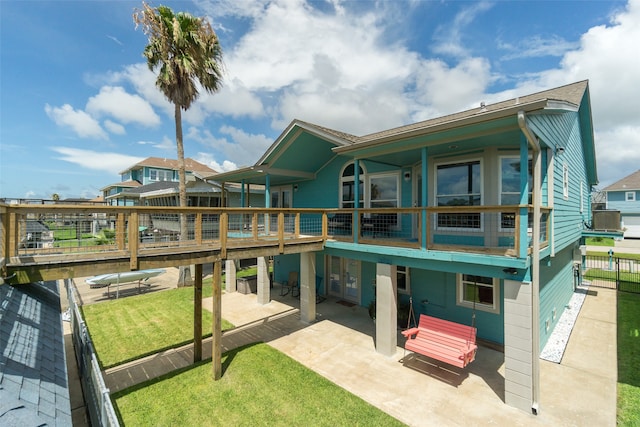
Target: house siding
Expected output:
[616,201]
[556,289]
[563,130]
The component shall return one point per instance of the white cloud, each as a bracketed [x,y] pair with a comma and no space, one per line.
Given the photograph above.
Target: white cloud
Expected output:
[115,128]
[443,89]
[617,146]
[242,148]
[607,56]
[112,163]
[537,46]
[449,36]
[114,101]
[79,121]
[208,159]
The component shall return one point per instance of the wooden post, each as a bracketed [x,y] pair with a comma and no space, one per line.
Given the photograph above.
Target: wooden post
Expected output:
[197,315]
[120,231]
[216,339]
[134,236]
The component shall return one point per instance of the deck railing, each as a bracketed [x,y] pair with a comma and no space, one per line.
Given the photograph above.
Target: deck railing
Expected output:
[35,231]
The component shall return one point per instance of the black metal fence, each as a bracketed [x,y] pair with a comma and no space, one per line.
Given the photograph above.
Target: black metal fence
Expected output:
[612,272]
[96,394]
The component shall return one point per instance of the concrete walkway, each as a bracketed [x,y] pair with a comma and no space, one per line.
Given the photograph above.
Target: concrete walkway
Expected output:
[581,390]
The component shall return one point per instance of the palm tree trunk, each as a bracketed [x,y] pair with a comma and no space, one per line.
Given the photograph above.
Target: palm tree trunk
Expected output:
[184,275]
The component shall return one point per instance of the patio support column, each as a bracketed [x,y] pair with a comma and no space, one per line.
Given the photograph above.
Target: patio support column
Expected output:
[425,202]
[356,201]
[386,309]
[216,338]
[197,314]
[264,284]
[307,283]
[230,284]
[518,338]
[242,190]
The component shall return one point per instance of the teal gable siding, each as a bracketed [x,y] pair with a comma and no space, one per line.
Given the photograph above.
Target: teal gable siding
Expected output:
[563,130]
[556,289]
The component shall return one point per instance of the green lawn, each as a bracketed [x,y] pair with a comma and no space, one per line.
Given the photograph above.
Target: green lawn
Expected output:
[600,241]
[260,387]
[628,359]
[129,328]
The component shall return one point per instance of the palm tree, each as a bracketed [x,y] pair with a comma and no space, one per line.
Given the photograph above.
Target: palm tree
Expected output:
[187,52]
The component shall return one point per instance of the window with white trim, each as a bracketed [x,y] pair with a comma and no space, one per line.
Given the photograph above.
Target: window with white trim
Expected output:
[160,175]
[459,184]
[630,196]
[347,187]
[480,292]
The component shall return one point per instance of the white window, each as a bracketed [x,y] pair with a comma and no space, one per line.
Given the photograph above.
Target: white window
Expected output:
[347,187]
[402,274]
[459,184]
[479,292]
[160,175]
[630,196]
[565,181]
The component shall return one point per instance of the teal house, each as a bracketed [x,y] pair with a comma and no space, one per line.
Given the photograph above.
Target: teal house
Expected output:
[475,217]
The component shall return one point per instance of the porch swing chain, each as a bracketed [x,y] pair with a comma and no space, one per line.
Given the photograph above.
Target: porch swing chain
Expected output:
[473,316]
[411,314]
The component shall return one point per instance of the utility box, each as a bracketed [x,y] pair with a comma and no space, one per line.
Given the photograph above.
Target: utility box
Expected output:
[247,285]
[606,220]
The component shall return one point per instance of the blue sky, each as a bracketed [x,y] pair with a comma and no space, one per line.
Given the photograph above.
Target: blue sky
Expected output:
[78,104]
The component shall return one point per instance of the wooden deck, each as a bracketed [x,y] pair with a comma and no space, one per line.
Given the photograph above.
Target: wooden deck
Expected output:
[76,241]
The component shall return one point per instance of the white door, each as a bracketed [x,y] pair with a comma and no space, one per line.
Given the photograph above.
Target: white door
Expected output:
[281,197]
[344,278]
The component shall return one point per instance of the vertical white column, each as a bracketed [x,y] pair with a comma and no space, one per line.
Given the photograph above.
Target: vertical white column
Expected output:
[264,284]
[518,338]
[230,276]
[386,309]
[307,281]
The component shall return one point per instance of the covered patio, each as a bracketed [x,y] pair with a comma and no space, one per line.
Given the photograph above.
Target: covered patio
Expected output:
[340,346]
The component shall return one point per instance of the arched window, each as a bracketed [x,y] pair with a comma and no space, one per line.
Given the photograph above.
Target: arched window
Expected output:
[347,186]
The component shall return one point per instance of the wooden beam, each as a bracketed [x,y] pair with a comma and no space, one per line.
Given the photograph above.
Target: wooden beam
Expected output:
[197,315]
[134,238]
[216,341]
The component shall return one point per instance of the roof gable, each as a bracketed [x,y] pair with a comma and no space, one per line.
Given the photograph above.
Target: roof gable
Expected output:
[629,182]
[171,164]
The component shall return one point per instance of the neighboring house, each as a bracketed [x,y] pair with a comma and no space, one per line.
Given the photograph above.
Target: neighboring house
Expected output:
[457,230]
[624,196]
[36,235]
[154,182]
[149,171]
[33,371]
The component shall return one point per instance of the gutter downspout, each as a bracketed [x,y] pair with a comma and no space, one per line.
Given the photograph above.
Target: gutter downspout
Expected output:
[535,280]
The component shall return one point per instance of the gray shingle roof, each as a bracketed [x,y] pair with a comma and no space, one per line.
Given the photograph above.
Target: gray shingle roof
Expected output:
[630,182]
[33,372]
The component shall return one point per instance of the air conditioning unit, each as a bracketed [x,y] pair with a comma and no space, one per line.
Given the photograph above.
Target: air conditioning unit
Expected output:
[606,220]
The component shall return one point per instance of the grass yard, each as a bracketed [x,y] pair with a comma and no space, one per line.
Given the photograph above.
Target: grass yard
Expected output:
[127,329]
[600,241]
[260,387]
[628,359]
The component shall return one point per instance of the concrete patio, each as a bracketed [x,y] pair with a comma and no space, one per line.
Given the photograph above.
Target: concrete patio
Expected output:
[581,390]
